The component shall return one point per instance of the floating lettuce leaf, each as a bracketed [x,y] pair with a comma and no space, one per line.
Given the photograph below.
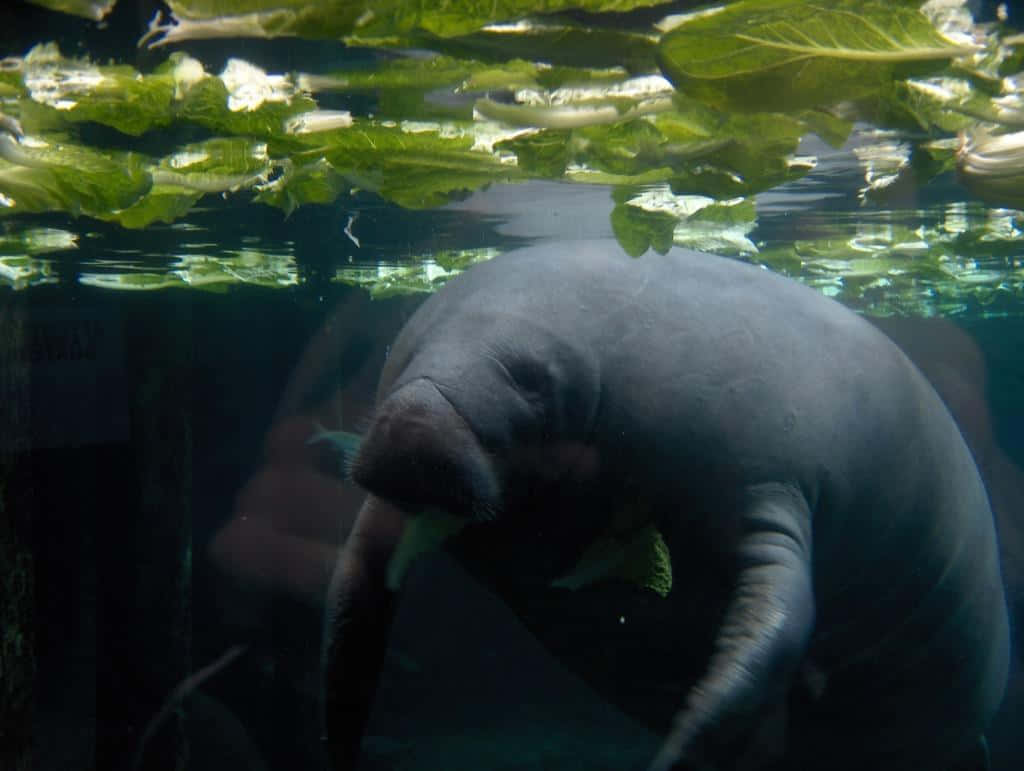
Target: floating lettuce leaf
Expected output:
[244,100]
[369,19]
[933,105]
[89,9]
[653,217]
[427,87]
[643,560]
[830,128]
[638,229]
[793,54]
[163,203]
[181,179]
[752,152]
[565,116]
[315,182]
[992,166]
[543,154]
[700,150]
[215,165]
[429,73]
[39,176]
[205,19]
[415,165]
[77,90]
[554,43]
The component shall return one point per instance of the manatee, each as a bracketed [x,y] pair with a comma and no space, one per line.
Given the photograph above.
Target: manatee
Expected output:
[822,587]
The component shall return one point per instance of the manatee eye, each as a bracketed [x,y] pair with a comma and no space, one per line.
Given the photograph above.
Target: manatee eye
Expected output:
[529,377]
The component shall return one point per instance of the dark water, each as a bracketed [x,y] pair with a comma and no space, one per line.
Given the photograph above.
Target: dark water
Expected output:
[161,510]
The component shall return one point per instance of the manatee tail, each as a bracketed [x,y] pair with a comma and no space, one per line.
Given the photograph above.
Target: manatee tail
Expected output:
[976,758]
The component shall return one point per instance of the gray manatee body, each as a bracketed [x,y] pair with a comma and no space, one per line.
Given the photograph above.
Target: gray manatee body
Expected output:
[836,599]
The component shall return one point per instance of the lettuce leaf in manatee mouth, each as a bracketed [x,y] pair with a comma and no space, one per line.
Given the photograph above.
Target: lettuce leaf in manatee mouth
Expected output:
[639,556]
[423,532]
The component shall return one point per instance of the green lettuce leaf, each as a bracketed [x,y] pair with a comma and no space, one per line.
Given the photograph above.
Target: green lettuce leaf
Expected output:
[422,533]
[89,9]
[64,89]
[377,20]
[793,54]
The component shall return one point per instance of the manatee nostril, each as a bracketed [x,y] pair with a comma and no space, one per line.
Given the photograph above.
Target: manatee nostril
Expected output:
[789,421]
[421,452]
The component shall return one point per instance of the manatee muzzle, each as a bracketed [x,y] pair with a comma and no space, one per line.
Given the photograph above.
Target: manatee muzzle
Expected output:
[420,452]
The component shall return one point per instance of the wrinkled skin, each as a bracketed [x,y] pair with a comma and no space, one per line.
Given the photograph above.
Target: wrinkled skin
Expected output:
[837,601]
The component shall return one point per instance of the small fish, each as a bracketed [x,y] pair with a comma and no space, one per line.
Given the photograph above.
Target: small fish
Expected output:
[345,443]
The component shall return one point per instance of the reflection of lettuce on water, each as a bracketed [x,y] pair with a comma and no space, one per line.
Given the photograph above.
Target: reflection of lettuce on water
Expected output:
[32,241]
[426,274]
[22,271]
[19,265]
[202,272]
[791,54]
[959,257]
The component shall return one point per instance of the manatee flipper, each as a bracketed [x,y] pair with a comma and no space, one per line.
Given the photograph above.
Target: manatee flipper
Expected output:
[763,636]
[975,758]
[360,609]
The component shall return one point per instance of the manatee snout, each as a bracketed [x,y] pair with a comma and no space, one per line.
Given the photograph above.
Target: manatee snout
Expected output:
[420,452]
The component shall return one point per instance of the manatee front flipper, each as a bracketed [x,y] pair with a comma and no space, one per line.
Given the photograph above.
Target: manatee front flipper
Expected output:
[360,609]
[763,636]
[975,759]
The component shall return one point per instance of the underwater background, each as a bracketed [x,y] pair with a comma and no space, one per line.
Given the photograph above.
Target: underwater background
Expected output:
[172,330]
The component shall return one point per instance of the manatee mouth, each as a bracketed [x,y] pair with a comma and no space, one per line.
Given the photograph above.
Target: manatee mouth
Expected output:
[421,453]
